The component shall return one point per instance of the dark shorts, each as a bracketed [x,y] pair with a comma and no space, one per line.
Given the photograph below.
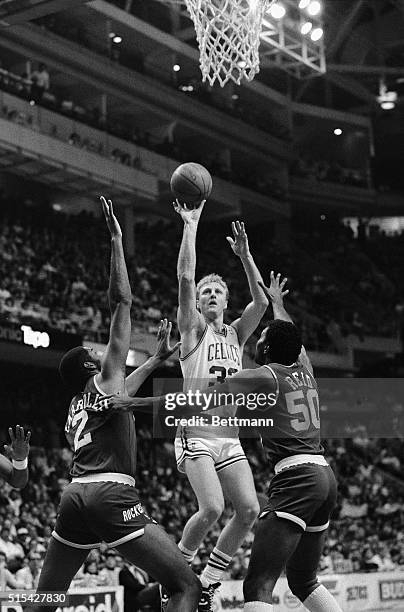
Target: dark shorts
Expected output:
[97,512]
[305,494]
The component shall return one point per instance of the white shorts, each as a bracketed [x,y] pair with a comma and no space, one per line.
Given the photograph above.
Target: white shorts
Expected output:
[224,451]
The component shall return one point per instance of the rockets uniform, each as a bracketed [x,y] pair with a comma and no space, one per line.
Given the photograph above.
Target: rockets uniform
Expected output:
[101,504]
[304,488]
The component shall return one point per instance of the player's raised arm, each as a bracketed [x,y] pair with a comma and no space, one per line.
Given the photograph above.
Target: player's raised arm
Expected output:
[275,293]
[190,321]
[163,351]
[112,376]
[15,469]
[254,311]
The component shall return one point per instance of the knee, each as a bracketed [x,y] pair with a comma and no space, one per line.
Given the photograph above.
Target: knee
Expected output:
[302,583]
[188,584]
[193,587]
[258,588]
[248,513]
[212,511]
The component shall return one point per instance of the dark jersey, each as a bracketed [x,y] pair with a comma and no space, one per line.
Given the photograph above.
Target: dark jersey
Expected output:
[296,413]
[100,441]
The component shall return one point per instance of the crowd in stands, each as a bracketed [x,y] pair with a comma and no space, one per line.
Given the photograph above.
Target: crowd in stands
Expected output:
[194,87]
[332,172]
[51,276]
[27,87]
[366,532]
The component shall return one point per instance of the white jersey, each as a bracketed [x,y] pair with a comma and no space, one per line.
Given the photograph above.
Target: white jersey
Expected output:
[216,356]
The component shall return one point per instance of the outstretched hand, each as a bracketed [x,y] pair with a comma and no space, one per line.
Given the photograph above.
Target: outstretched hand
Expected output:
[19,447]
[239,242]
[164,350]
[112,221]
[275,291]
[188,215]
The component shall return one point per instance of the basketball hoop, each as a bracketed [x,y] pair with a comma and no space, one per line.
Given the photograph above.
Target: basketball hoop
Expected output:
[228,35]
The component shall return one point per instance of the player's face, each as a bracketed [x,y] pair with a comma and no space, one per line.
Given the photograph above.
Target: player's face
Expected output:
[260,357]
[212,299]
[94,358]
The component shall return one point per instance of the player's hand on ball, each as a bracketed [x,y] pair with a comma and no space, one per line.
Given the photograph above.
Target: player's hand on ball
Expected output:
[239,242]
[19,447]
[164,350]
[188,214]
[275,292]
[112,221]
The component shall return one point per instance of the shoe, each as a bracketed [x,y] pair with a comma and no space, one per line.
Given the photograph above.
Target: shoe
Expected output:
[164,598]
[206,600]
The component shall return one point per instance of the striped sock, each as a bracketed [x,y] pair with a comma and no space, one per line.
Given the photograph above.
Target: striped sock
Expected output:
[257,606]
[188,555]
[217,565]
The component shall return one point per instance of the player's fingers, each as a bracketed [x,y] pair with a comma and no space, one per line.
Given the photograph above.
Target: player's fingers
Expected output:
[11,433]
[242,226]
[19,431]
[28,437]
[239,228]
[176,346]
[111,208]
[169,328]
[283,283]
[285,292]
[230,240]
[263,287]
[234,229]
[272,275]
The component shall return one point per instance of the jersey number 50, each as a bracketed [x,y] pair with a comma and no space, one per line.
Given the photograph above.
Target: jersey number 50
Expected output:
[306,409]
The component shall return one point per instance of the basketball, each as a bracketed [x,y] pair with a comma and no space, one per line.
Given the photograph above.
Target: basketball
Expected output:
[191,183]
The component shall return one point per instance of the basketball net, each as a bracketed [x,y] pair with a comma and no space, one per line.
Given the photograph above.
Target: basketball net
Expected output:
[228,35]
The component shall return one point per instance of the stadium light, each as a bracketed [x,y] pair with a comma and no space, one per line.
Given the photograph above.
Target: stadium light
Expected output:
[387,99]
[388,105]
[316,34]
[306,27]
[176,67]
[314,8]
[338,131]
[277,11]
[304,4]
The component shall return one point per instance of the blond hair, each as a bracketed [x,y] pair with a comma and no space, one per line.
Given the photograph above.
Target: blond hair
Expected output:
[212,278]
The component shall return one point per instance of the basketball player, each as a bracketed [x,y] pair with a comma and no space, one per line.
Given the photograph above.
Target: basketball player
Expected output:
[302,494]
[14,469]
[213,459]
[101,504]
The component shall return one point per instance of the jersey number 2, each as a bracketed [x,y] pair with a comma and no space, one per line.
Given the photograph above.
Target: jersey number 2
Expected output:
[80,418]
[305,408]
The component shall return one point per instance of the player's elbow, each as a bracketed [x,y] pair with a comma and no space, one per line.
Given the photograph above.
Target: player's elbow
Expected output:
[261,304]
[120,298]
[185,279]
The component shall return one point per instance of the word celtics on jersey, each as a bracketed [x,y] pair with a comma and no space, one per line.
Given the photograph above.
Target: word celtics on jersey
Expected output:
[216,356]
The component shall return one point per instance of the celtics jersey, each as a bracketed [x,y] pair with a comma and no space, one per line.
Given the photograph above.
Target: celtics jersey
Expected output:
[215,357]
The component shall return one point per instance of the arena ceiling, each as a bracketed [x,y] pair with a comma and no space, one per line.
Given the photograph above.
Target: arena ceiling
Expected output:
[364,52]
